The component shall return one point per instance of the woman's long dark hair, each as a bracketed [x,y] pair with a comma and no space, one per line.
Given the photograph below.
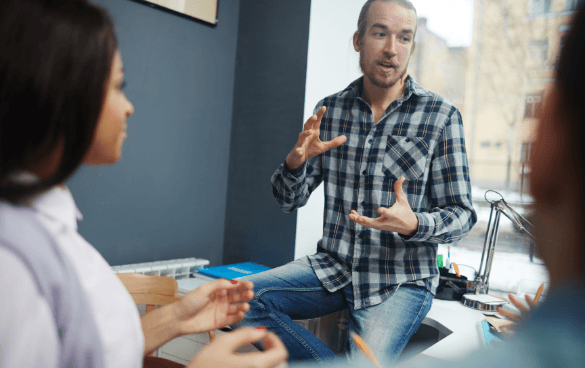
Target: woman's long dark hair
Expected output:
[570,78]
[55,60]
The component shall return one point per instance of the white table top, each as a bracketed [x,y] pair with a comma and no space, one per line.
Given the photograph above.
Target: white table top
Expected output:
[457,321]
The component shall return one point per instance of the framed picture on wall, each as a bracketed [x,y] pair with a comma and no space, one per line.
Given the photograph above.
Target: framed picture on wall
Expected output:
[202,10]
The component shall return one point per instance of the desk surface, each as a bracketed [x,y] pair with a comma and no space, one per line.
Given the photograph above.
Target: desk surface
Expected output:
[459,323]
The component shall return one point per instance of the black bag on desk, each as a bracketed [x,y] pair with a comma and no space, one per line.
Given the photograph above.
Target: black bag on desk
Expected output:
[450,286]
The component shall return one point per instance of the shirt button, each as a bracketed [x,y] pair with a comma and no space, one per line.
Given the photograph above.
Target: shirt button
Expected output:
[407,140]
[370,141]
[363,203]
[364,172]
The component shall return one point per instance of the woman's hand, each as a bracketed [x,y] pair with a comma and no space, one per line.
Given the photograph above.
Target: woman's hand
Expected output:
[524,311]
[213,305]
[221,353]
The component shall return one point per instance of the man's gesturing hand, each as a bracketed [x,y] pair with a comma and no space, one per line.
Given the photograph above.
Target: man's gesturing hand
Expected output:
[399,218]
[309,144]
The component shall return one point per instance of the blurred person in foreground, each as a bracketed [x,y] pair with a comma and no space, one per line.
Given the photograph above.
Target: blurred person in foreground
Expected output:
[62,105]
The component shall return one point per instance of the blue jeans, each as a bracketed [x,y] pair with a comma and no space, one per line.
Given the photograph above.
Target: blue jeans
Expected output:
[293,292]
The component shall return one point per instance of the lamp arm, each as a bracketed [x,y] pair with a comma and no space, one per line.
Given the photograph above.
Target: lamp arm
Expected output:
[497,207]
[515,220]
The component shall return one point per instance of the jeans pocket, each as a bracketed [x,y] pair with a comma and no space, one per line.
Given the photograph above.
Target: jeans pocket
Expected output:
[405,156]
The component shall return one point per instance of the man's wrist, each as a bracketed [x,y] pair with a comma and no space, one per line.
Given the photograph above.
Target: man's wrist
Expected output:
[290,166]
[294,170]
[413,229]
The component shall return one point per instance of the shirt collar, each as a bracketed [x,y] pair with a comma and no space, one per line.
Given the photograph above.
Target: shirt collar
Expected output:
[410,87]
[56,203]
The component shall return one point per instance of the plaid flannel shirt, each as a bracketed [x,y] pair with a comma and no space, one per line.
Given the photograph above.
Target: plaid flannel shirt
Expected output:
[420,137]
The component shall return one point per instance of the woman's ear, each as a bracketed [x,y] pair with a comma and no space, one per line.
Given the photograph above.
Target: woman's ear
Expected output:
[357,43]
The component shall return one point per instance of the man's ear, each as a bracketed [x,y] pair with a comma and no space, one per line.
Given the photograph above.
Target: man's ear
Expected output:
[413,48]
[357,43]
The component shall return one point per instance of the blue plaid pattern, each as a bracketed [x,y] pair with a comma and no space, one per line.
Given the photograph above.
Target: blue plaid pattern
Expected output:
[420,137]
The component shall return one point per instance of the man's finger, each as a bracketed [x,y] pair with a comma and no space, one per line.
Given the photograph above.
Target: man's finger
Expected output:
[383,211]
[365,221]
[320,113]
[336,142]
[303,137]
[305,145]
[310,122]
[400,197]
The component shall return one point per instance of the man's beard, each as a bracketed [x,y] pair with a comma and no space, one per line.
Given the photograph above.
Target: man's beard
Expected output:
[380,82]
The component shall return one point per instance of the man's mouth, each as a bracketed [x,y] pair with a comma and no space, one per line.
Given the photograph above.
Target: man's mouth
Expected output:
[387,65]
[387,68]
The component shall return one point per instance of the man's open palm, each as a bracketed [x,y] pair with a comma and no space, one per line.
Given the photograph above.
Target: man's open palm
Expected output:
[399,218]
[309,144]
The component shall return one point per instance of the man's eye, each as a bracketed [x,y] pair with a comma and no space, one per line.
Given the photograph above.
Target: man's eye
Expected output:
[405,39]
[379,34]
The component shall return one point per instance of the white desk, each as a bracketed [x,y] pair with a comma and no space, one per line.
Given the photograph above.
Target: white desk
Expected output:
[458,329]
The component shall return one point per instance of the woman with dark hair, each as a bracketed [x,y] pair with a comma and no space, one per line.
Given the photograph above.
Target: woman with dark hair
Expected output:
[62,105]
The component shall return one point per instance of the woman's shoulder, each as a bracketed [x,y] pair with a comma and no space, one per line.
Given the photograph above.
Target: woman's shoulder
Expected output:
[26,319]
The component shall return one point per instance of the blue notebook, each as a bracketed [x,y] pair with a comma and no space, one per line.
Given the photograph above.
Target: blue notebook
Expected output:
[233,271]
[489,336]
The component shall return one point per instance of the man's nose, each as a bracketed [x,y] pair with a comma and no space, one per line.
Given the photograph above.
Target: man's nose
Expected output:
[390,46]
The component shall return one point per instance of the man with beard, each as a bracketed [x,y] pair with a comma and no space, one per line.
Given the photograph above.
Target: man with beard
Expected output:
[392,158]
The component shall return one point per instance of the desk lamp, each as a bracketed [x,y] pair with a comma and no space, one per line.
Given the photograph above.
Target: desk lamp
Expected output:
[478,298]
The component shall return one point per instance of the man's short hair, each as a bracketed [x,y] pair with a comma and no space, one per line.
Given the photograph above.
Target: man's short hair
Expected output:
[363,19]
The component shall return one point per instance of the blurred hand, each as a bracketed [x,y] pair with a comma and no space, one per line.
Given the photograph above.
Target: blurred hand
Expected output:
[213,305]
[524,311]
[309,144]
[221,353]
[399,218]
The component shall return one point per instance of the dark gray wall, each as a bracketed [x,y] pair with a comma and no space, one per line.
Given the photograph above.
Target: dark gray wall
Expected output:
[268,110]
[166,198]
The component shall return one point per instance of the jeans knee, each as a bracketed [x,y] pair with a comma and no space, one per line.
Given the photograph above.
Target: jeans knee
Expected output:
[263,301]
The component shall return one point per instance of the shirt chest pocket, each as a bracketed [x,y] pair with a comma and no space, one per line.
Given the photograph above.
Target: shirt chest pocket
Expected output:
[405,156]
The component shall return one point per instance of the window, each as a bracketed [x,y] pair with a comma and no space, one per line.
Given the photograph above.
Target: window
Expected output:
[499,148]
[538,50]
[540,7]
[525,152]
[574,4]
[533,105]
